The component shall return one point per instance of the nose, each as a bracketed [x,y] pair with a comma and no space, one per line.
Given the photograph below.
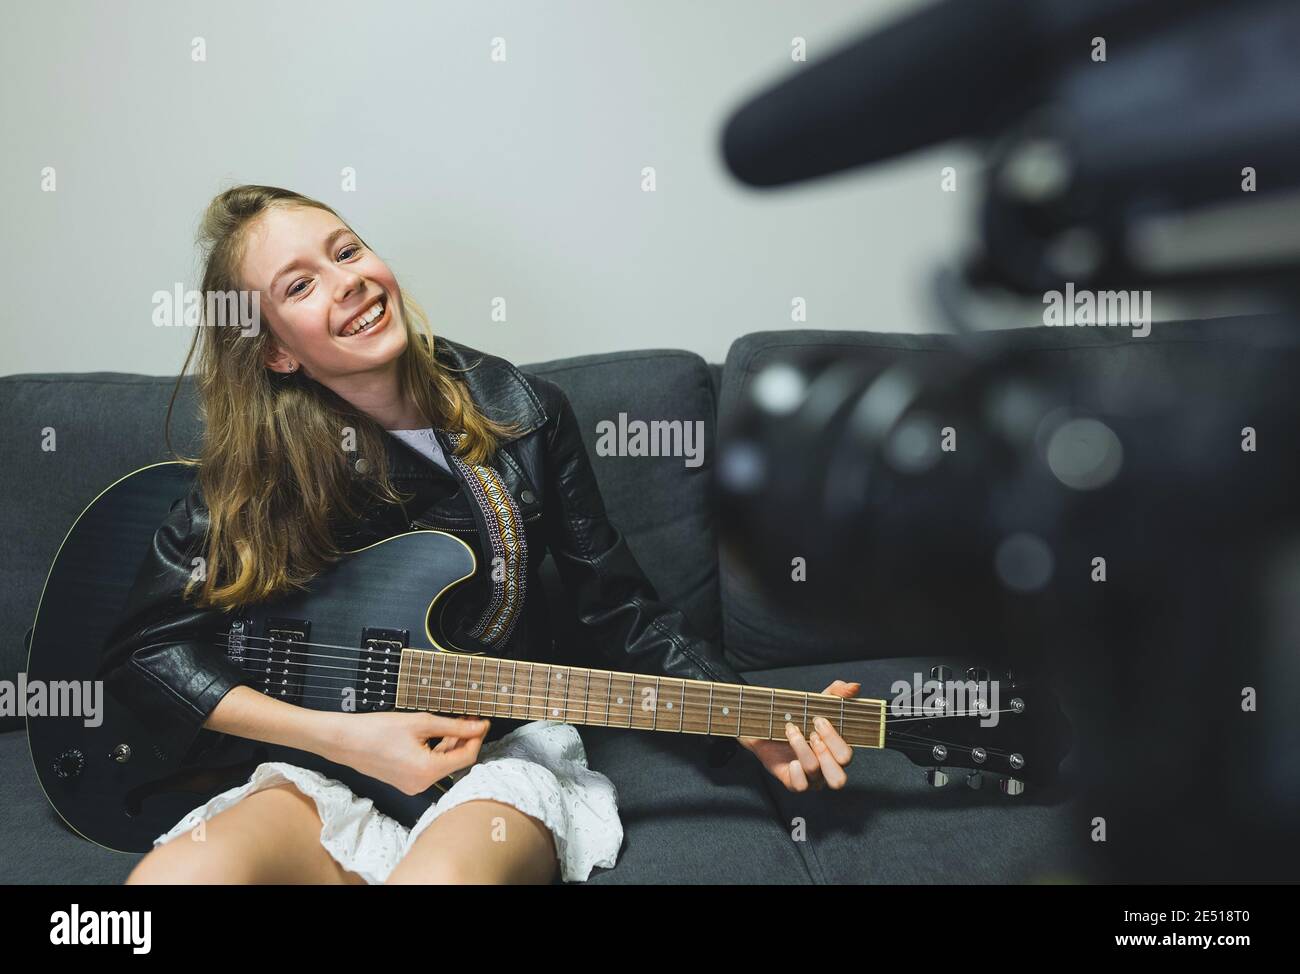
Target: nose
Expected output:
[350,282]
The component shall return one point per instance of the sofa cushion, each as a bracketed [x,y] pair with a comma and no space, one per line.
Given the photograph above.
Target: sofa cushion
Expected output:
[759,633]
[685,822]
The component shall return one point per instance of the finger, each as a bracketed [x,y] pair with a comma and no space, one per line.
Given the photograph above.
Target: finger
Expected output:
[841,689]
[831,771]
[839,748]
[802,751]
[434,725]
[795,779]
[472,747]
[447,744]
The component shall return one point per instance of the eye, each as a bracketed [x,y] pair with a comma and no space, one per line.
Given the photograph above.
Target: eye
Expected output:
[294,289]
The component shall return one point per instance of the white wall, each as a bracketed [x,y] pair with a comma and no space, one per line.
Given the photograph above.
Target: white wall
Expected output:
[475,179]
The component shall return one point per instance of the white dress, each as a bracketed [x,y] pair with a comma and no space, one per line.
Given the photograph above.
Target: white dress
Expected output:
[539,768]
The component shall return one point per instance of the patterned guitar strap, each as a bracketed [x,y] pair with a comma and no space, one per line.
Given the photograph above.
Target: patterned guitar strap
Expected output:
[500,521]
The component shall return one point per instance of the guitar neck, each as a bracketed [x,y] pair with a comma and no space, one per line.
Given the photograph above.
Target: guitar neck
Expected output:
[486,686]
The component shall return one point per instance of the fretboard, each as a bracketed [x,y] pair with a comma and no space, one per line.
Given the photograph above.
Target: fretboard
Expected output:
[486,686]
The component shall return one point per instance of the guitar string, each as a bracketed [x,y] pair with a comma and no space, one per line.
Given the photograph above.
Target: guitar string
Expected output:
[691,685]
[357,653]
[694,695]
[531,699]
[466,688]
[872,720]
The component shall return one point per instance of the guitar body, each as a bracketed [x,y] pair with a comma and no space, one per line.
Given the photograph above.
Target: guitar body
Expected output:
[110,782]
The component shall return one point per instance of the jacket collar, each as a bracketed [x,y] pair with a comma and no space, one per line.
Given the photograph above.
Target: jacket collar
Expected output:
[498,389]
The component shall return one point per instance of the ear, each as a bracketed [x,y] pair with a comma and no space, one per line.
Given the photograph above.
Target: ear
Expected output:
[277,359]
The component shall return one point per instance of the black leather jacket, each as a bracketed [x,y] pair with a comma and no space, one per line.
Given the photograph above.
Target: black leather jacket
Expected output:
[162,660]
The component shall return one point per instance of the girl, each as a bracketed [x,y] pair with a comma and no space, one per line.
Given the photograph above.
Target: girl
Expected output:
[331,424]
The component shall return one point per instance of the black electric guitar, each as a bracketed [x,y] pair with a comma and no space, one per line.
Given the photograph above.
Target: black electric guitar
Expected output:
[366,638]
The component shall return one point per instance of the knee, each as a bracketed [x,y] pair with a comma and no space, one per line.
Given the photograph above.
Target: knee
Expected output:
[438,871]
[185,861]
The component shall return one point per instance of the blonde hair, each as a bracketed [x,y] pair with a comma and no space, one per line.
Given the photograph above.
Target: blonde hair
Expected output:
[272,469]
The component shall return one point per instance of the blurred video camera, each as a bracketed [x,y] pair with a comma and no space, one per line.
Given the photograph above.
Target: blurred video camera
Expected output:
[1121,515]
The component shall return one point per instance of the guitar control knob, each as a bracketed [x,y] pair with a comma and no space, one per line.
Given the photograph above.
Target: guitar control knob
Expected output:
[69,763]
[936,777]
[1012,786]
[121,754]
[975,780]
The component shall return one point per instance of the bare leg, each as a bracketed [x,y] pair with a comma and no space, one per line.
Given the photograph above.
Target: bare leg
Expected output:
[270,836]
[481,841]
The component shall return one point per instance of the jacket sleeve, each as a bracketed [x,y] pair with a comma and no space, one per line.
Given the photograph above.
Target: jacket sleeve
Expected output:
[618,608]
[162,660]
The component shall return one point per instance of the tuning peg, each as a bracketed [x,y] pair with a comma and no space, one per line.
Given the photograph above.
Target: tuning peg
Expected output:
[936,777]
[977,674]
[941,673]
[1011,674]
[1011,786]
[975,780]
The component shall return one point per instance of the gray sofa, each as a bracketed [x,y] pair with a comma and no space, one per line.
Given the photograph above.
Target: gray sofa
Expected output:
[685,821]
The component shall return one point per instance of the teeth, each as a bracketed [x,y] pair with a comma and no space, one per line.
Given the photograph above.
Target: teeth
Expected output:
[364,321]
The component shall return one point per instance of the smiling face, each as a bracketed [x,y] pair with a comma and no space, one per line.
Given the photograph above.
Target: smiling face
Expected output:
[320,289]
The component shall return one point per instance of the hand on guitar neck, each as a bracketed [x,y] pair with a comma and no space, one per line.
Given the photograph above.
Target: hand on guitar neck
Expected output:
[799,763]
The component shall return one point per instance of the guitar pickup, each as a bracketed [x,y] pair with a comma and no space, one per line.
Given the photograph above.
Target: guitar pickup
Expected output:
[285,659]
[377,668]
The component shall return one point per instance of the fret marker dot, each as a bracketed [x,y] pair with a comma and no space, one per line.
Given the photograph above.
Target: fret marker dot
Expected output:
[473,686]
[425,681]
[787,716]
[555,712]
[505,689]
[445,683]
[725,711]
[670,705]
[620,699]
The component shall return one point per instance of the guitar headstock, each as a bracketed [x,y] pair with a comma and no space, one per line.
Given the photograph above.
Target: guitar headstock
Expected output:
[1010,729]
